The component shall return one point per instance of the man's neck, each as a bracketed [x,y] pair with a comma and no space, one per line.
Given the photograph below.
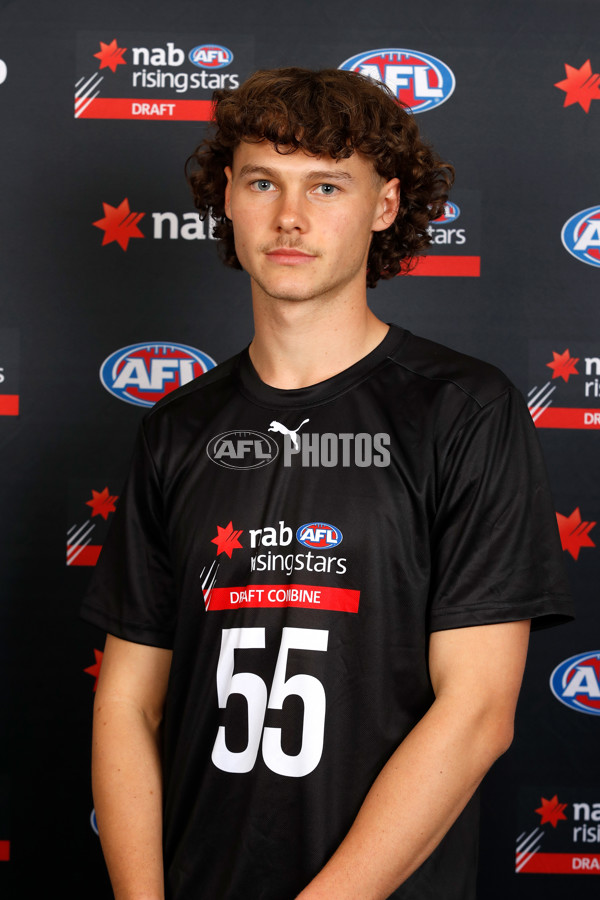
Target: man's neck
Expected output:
[297,344]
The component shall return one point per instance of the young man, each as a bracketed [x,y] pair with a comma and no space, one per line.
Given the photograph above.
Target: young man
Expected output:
[327,549]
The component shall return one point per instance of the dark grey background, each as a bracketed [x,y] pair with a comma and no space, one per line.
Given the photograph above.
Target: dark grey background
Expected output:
[67,302]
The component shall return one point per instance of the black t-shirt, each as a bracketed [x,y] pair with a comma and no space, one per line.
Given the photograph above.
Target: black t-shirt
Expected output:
[295,548]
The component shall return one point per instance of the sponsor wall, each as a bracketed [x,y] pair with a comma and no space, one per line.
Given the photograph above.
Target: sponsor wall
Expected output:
[113,295]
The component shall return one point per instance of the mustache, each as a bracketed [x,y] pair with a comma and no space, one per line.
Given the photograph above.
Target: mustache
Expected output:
[283,244]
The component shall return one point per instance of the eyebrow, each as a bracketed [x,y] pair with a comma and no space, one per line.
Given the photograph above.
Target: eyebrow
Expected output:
[316,175]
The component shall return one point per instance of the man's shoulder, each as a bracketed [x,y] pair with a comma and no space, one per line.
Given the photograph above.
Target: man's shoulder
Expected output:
[201,388]
[437,364]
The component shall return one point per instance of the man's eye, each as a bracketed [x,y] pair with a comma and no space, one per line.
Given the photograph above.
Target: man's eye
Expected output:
[262,185]
[326,189]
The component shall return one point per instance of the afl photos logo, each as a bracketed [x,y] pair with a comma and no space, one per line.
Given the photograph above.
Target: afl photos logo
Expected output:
[576,682]
[142,374]
[416,79]
[581,236]
[242,449]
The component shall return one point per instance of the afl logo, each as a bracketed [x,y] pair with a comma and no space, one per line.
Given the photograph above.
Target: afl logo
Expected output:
[319,535]
[144,373]
[416,79]
[451,214]
[242,449]
[210,56]
[581,236]
[576,682]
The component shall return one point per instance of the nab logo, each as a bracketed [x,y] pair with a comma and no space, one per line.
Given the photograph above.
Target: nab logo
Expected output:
[242,449]
[319,535]
[451,214]
[581,236]
[142,374]
[576,682]
[416,79]
[210,56]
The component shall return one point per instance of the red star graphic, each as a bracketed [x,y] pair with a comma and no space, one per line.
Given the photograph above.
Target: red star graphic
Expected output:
[119,224]
[574,534]
[102,503]
[227,540]
[551,811]
[580,86]
[563,365]
[95,669]
[111,56]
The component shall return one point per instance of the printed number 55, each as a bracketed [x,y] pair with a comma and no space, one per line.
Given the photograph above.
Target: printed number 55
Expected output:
[254,689]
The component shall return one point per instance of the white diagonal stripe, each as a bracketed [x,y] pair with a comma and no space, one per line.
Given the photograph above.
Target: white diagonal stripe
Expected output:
[525,844]
[85,105]
[93,82]
[543,393]
[527,848]
[75,555]
[540,411]
[90,525]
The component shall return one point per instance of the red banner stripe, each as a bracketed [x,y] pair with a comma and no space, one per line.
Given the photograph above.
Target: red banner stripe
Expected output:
[469,266]
[9,404]
[4,851]
[555,417]
[86,557]
[274,596]
[564,863]
[158,110]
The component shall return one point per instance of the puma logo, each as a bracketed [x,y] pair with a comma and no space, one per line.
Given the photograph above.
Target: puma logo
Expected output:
[277,426]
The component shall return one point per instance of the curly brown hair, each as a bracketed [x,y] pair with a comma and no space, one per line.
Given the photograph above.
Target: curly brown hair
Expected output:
[335,113]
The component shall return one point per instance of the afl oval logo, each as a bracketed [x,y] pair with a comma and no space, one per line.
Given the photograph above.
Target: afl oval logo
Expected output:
[242,449]
[451,214]
[576,682]
[319,536]
[416,79]
[581,236]
[144,373]
[210,56]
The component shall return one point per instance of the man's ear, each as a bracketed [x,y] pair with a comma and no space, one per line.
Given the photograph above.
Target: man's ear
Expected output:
[227,200]
[388,206]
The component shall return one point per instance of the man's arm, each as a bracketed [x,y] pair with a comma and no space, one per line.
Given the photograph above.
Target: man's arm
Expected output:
[476,675]
[126,766]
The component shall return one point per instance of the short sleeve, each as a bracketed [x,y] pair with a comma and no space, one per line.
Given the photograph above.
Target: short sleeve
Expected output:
[496,554]
[132,593]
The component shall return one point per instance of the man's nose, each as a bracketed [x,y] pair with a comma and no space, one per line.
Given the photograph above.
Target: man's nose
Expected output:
[291,212]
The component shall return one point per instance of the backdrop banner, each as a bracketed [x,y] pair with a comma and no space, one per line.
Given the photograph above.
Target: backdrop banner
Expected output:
[113,294]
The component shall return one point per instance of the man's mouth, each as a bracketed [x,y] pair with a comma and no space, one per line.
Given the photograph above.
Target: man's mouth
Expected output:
[289,255]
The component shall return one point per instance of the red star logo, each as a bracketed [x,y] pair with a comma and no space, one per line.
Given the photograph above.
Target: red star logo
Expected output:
[552,811]
[574,534]
[227,540]
[119,224]
[580,86]
[563,365]
[111,56]
[102,503]
[95,669]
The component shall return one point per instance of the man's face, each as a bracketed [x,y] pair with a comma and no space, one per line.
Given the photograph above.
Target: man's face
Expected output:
[303,224]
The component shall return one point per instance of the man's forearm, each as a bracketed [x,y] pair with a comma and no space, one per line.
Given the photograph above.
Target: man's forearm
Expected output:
[429,779]
[127,786]
[413,802]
